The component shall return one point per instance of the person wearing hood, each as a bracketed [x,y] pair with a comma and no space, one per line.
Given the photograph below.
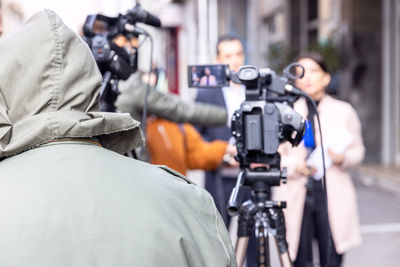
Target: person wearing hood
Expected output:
[68,198]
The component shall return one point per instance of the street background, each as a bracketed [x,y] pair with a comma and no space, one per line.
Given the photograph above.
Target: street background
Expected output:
[359,38]
[378,196]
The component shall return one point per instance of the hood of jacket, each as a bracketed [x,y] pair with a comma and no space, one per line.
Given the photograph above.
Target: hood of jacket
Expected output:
[49,88]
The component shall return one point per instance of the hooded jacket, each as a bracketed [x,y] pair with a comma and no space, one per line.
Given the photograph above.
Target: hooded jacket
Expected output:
[49,86]
[72,201]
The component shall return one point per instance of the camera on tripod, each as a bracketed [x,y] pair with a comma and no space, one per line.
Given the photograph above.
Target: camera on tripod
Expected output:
[115,62]
[265,120]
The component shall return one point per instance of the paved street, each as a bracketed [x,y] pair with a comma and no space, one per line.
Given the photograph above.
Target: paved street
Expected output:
[379,207]
[380,219]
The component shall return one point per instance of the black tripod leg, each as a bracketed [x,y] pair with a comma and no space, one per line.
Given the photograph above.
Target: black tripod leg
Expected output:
[263,257]
[220,190]
[245,229]
[278,222]
[284,258]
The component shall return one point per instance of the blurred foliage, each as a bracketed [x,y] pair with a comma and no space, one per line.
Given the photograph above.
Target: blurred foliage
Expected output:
[280,55]
[331,53]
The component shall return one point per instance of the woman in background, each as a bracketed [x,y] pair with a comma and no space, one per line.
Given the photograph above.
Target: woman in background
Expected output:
[306,216]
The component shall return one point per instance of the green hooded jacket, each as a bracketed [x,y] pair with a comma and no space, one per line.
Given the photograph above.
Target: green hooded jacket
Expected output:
[74,201]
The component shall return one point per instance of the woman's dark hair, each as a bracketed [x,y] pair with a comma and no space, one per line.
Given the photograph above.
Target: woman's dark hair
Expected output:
[315,56]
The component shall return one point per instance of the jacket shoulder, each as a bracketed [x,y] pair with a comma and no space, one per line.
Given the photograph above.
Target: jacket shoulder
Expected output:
[338,103]
[174,173]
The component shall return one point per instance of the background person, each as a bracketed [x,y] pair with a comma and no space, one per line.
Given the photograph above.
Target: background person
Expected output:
[229,51]
[67,198]
[221,182]
[181,147]
[194,76]
[306,213]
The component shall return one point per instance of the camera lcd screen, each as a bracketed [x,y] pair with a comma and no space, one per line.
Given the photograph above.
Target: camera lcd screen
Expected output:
[208,76]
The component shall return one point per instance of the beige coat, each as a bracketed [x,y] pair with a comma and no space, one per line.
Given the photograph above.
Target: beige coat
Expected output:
[342,206]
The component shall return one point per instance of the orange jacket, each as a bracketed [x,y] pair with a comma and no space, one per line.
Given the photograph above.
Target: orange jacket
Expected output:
[181,147]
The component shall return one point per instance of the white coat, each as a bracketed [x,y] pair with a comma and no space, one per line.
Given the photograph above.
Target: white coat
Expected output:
[335,115]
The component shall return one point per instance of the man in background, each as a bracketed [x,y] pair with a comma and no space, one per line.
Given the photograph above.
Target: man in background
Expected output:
[220,184]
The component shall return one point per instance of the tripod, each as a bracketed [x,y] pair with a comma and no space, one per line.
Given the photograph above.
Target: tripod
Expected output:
[260,214]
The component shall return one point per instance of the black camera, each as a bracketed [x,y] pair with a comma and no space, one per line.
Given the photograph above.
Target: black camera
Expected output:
[115,62]
[266,118]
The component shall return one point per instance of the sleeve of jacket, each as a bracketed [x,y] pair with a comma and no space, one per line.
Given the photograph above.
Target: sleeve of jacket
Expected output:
[201,154]
[354,154]
[213,246]
[203,96]
[167,106]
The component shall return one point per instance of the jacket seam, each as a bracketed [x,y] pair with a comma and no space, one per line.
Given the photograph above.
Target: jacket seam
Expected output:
[56,65]
[219,235]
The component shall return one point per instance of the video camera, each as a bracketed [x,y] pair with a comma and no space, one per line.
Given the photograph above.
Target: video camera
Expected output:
[115,63]
[266,118]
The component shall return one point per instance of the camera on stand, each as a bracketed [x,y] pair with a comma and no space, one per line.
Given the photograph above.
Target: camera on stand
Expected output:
[115,62]
[265,120]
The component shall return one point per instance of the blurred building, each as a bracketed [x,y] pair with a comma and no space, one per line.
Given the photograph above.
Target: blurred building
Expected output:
[364,35]
[360,38]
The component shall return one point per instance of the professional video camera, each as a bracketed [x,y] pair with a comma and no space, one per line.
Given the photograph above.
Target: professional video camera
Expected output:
[115,63]
[265,119]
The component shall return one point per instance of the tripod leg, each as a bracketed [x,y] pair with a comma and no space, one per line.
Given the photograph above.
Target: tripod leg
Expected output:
[263,255]
[241,248]
[284,258]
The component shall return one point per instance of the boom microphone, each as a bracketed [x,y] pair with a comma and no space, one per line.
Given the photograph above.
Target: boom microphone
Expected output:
[137,14]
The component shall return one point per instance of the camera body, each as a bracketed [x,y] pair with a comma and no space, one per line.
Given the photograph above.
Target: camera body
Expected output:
[115,62]
[260,126]
[99,31]
[266,118]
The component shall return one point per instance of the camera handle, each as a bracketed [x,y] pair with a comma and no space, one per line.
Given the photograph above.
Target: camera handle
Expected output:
[260,214]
